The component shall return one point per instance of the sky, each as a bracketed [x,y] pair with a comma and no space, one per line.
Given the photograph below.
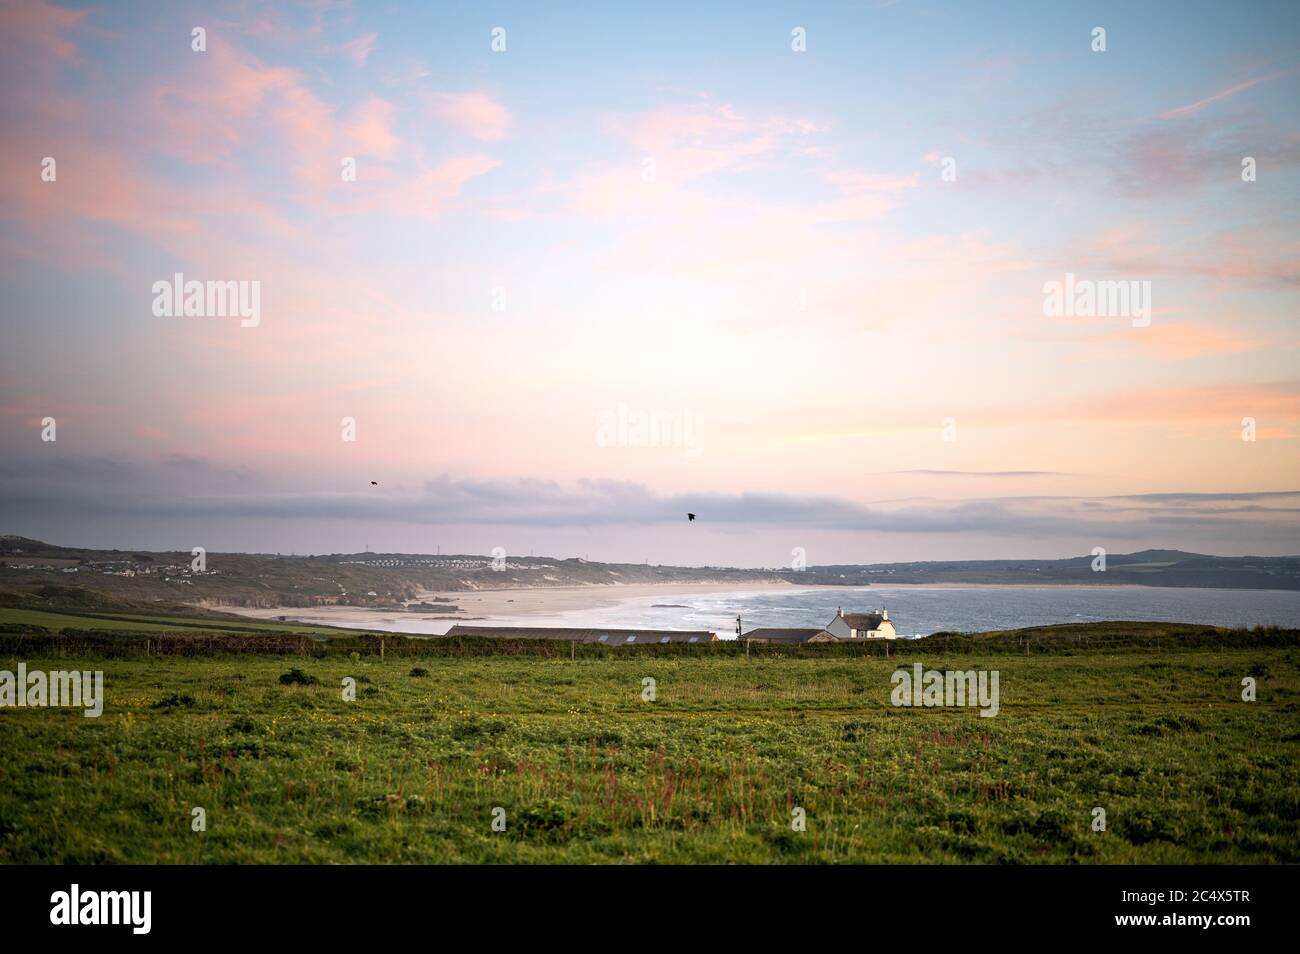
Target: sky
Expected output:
[786,266]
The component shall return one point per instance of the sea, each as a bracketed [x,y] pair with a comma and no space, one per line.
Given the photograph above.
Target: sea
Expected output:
[919,610]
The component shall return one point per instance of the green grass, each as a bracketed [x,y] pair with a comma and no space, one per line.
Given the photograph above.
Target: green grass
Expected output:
[710,772]
[141,623]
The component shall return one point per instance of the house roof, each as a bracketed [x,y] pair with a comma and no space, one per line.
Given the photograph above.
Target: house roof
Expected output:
[782,635]
[612,637]
[866,621]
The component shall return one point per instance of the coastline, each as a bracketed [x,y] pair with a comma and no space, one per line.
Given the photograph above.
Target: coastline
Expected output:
[510,603]
[683,606]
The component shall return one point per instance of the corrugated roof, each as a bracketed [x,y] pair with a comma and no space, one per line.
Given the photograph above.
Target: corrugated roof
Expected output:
[612,637]
[777,635]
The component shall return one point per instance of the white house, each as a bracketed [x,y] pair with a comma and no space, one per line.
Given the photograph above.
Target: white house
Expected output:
[873,625]
[845,627]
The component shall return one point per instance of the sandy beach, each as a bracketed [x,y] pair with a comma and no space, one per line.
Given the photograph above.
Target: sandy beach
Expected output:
[515,603]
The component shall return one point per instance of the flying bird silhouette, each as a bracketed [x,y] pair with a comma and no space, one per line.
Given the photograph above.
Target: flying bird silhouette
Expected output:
[374,483]
[690,516]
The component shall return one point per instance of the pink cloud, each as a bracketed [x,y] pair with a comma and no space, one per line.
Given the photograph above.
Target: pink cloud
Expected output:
[94,184]
[150,432]
[359,49]
[675,145]
[1190,403]
[1196,107]
[429,190]
[234,102]
[1187,405]
[370,133]
[215,106]
[862,194]
[1174,341]
[40,28]
[679,127]
[1263,255]
[425,194]
[695,139]
[475,114]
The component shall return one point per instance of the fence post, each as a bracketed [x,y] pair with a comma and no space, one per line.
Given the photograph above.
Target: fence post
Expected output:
[381,649]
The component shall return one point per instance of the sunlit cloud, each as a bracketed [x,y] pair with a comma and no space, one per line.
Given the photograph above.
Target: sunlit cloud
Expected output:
[777,252]
[476,114]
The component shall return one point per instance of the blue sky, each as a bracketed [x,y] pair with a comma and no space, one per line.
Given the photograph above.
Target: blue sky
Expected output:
[665,210]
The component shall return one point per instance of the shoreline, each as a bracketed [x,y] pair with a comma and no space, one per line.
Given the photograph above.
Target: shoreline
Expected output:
[518,603]
[585,606]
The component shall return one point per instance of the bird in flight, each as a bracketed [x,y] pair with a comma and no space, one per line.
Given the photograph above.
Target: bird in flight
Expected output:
[690,516]
[374,483]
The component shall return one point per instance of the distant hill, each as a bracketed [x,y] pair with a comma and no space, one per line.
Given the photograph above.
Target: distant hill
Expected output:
[35,573]
[1155,556]
[1146,567]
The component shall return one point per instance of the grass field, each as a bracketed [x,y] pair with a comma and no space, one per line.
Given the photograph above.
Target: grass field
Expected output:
[711,771]
[141,623]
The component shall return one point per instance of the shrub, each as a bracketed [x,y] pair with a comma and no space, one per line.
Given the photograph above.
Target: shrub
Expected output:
[296,677]
[546,819]
[854,731]
[175,700]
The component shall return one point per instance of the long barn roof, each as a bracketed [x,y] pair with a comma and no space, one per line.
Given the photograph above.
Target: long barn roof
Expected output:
[613,637]
[782,635]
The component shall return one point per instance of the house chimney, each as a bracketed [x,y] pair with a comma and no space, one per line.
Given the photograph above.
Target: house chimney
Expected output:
[884,614]
[839,611]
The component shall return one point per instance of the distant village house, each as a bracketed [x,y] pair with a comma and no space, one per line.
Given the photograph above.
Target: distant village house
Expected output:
[844,628]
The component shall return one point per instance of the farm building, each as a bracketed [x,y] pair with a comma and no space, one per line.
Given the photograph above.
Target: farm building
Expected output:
[845,627]
[612,637]
[782,635]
